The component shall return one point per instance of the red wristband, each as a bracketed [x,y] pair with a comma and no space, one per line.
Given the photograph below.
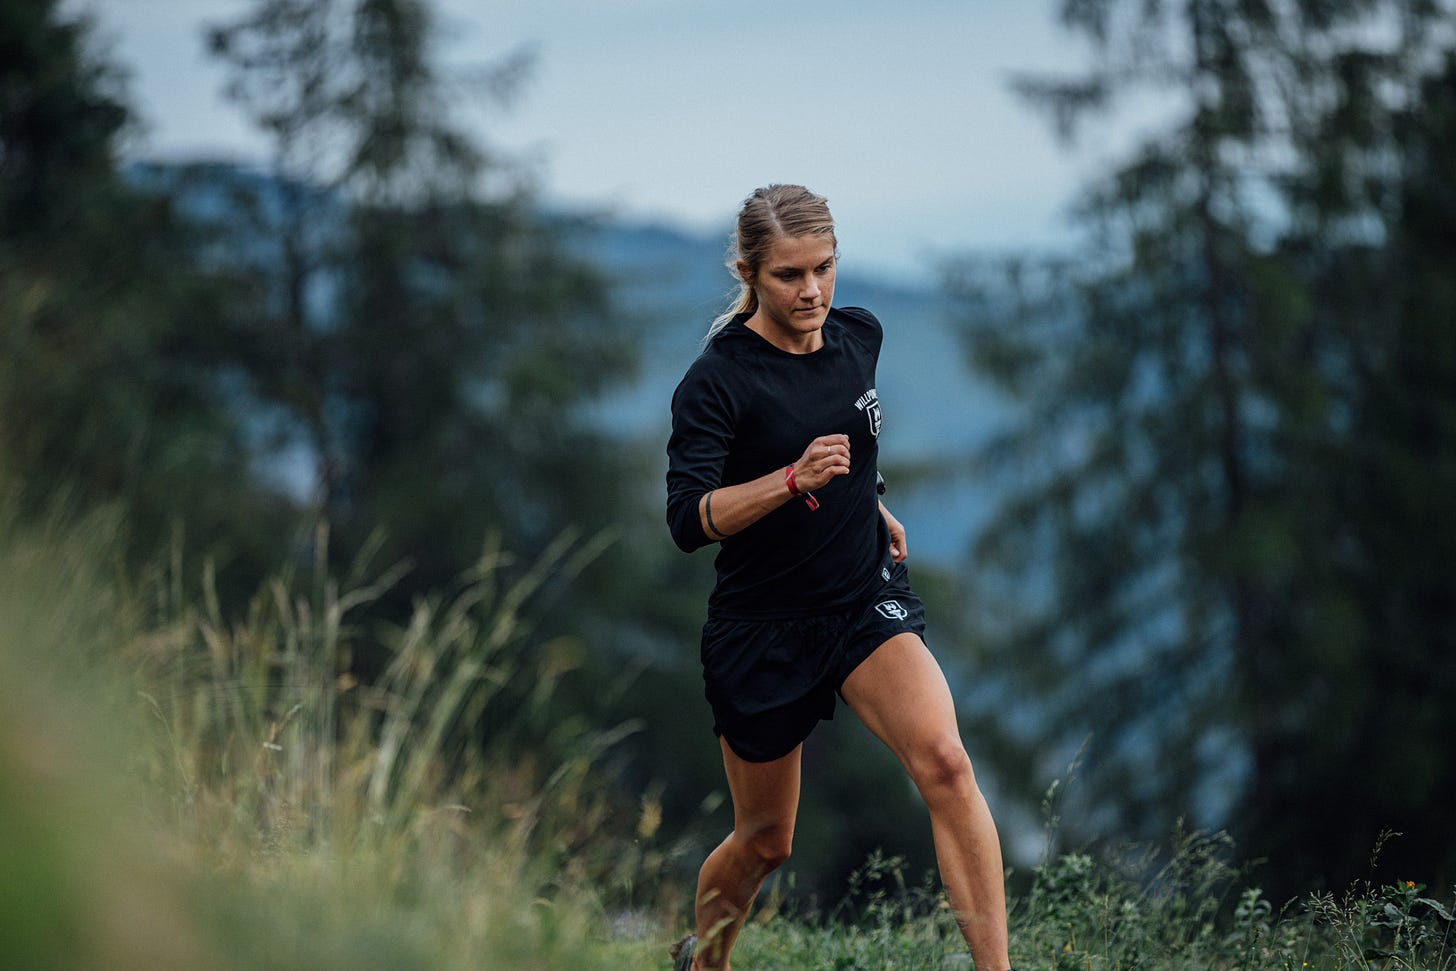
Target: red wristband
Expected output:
[809,499]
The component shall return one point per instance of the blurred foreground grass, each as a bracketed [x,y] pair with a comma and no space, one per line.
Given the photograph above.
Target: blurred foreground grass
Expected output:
[180,791]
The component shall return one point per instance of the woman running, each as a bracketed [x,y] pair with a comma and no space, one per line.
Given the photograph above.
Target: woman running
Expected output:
[773,456]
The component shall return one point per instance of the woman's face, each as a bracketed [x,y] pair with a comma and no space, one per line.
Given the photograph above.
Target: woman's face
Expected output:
[795,286]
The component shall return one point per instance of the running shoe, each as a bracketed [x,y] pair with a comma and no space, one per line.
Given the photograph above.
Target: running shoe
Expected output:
[682,953]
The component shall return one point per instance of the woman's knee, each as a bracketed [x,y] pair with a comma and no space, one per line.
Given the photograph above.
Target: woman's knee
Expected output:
[770,846]
[941,765]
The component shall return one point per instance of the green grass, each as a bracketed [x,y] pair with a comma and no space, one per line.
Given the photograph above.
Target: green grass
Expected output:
[181,790]
[1179,908]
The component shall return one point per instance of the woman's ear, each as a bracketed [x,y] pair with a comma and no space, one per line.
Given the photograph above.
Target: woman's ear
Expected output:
[744,274]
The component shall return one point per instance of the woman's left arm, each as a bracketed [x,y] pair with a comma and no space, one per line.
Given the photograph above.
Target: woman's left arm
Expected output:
[898,549]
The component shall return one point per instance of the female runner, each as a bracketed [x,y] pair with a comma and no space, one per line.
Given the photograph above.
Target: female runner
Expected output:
[773,456]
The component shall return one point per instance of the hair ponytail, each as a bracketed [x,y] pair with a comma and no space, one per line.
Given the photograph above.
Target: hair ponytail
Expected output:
[745,302]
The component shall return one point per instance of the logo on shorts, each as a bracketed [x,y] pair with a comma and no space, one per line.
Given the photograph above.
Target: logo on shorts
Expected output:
[885,573]
[892,610]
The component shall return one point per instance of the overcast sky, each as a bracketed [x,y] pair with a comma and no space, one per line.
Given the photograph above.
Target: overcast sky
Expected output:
[901,113]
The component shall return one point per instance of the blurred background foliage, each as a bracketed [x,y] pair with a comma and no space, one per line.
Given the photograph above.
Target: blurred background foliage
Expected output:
[1221,541]
[1227,534]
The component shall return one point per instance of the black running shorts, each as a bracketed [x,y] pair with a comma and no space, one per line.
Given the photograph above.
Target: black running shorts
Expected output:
[771,681]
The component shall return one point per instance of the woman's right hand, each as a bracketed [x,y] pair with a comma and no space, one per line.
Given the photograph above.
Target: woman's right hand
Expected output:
[826,457]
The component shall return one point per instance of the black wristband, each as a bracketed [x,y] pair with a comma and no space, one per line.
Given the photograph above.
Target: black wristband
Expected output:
[708,515]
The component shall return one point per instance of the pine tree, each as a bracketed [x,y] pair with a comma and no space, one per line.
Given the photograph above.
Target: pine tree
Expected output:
[1210,410]
[110,394]
[428,334]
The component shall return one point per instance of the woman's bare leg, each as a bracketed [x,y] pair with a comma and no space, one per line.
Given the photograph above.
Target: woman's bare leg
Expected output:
[765,803]
[901,695]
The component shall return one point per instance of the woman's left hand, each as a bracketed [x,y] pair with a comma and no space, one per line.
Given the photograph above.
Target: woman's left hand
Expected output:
[898,549]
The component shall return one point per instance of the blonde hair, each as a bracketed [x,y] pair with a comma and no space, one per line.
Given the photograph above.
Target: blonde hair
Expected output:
[773,211]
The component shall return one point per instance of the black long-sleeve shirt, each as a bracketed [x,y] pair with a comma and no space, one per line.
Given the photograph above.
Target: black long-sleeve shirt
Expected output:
[746,408]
